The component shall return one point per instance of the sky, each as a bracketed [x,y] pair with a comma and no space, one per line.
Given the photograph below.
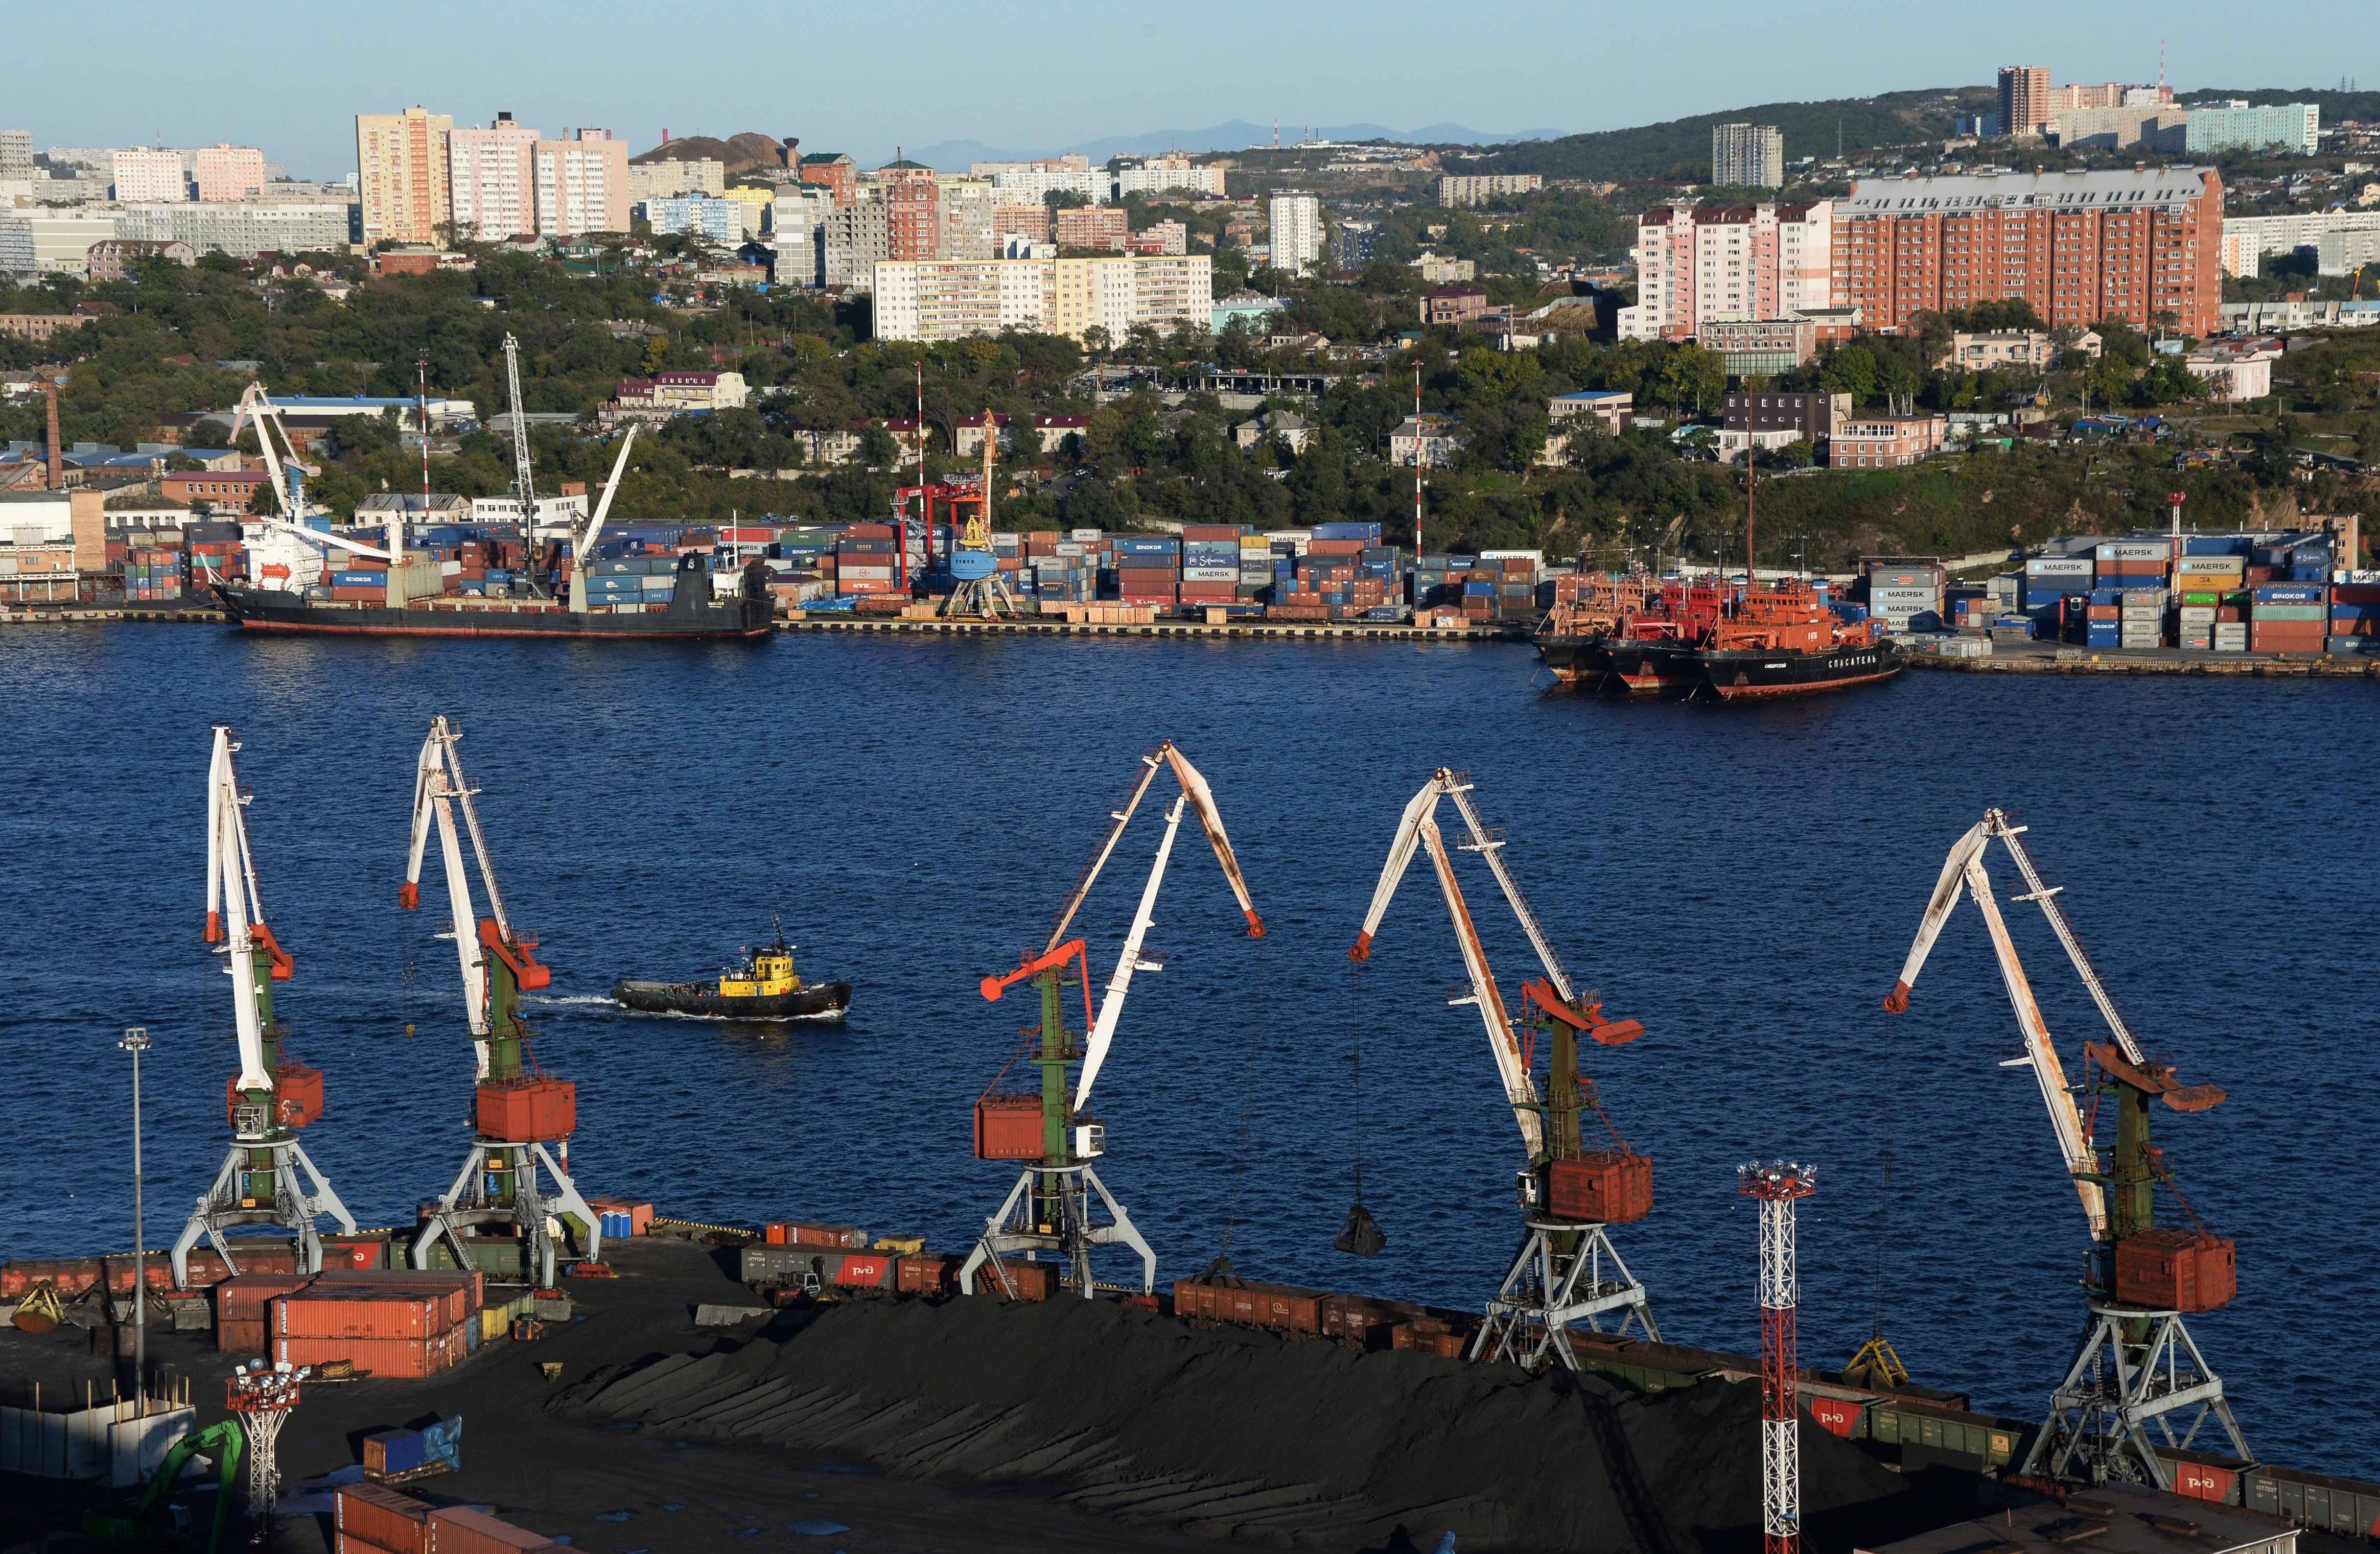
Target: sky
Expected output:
[1035,78]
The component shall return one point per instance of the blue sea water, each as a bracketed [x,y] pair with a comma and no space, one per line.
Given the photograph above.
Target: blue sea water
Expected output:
[1742,881]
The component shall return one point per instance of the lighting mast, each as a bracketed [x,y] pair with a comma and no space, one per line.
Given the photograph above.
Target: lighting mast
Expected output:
[1777,1185]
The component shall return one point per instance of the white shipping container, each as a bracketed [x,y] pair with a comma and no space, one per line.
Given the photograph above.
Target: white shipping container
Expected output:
[2197,614]
[2058,567]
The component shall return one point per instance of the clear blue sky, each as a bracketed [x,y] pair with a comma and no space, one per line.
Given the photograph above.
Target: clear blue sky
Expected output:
[1038,76]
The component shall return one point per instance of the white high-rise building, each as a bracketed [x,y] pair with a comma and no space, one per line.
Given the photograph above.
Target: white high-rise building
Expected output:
[494,179]
[148,176]
[1747,155]
[1030,183]
[1296,223]
[1728,262]
[952,299]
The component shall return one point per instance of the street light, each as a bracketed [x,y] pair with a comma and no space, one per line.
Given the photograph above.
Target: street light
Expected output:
[136,1041]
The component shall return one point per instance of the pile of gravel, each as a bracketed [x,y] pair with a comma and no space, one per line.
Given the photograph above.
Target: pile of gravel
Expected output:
[1249,1437]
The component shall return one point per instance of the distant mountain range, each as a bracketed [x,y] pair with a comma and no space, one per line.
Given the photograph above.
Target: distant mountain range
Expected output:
[1235,135]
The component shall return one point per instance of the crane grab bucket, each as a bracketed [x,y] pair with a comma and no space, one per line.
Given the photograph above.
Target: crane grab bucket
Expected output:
[1361,1234]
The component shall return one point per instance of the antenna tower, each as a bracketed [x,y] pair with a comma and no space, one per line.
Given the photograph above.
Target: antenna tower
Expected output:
[1777,1185]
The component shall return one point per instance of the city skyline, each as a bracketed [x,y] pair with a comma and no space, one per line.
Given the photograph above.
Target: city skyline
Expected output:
[1126,74]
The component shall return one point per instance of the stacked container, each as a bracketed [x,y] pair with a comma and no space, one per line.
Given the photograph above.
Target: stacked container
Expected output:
[867,560]
[1211,564]
[1148,571]
[2354,618]
[2141,617]
[2287,618]
[1905,597]
[151,574]
[399,1323]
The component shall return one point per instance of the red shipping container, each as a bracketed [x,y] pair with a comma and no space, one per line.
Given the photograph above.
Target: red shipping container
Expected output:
[817,1233]
[2176,1270]
[296,1095]
[409,1357]
[2202,1481]
[459,1293]
[1034,1282]
[248,1297]
[1334,547]
[527,1110]
[1008,1128]
[457,1529]
[1602,1186]
[381,1517]
[354,1254]
[928,1274]
[1213,531]
[241,1338]
[358,1313]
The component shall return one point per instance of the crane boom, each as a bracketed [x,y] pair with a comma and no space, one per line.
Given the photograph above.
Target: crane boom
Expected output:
[1422,810]
[231,886]
[438,785]
[1095,1050]
[1519,1088]
[1210,819]
[582,545]
[522,473]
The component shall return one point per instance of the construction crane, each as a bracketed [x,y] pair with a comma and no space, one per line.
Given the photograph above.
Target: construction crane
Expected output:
[1051,1131]
[582,539]
[270,1099]
[283,553]
[496,1203]
[524,476]
[1566,1270]
[2137,1365]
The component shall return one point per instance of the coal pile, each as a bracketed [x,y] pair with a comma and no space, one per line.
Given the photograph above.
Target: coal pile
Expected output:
[1251,1438]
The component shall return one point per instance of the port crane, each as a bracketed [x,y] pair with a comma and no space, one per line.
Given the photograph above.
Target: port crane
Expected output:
[980,590]
[286,553]
[1051,1131]
[2137,1365]
[516,1112]
[270,1099]
[1566,1270]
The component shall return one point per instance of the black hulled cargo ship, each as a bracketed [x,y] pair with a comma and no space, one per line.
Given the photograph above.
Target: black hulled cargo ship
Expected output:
[691,612]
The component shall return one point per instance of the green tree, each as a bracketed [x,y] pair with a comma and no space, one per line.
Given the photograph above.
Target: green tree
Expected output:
[1849,370]
[879,449]
[656,353]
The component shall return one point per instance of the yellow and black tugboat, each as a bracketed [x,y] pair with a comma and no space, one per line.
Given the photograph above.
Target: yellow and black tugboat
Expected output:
[765,987]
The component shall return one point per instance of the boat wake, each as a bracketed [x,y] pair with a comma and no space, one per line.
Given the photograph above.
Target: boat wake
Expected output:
[566,998]
[829,1015]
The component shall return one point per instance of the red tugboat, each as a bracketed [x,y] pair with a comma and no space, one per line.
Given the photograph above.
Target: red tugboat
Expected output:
[1628,635]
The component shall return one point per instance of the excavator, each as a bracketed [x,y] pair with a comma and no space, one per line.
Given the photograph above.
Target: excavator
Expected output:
[496,1216]
[1566,1270]
[2137,1366]
[1050,1130]
[150,1525]
[269,1100]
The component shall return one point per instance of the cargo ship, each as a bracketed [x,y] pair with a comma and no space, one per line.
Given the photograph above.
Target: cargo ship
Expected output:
[690,614]
[1781,641]
[766,986]
[1630,636]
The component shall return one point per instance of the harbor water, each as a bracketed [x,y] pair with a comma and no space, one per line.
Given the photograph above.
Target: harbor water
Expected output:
[1744,880]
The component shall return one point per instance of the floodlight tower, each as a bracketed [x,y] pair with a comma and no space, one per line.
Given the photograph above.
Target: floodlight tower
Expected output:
[1777,1185]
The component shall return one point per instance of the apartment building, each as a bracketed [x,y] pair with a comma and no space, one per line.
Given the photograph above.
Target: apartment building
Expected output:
[2027,103]
[1747,155]
[1478,188]
[797,221]
[2294,127]
[1699,264]
[241,228]
[1884,442]
[1160,238]
[149,176]
[224,172]
[671,177]
[16,155]
[952,299]
[1091,226]
[1022,221]
[1296,231]
[404,176]
[2247,239]
[1032,183]
[722,221]
[857,240]
[1171,174]
[492,179]
[1756,346]
[834,170]
[2079,246]
[581,183]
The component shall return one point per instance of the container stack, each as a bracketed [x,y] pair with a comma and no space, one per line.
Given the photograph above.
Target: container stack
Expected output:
[399,1323]
[2287,618]
[2141,617]
[1260,567]
[2354,618]
[153,574]
[1516,581]
[867,560]
[1148,571]
[2048,582]
[359,584]
[1211,564]
[1906,598]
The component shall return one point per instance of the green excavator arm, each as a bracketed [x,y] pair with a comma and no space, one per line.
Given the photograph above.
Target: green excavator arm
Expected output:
[145,1528]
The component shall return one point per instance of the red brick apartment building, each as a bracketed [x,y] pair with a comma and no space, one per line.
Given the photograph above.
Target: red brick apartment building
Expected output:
[2079,246]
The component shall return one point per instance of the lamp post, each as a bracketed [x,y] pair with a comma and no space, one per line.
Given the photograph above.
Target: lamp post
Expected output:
[136,1041]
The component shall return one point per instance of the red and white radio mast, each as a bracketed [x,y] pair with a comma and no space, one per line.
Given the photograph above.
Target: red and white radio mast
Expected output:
[1777,1185]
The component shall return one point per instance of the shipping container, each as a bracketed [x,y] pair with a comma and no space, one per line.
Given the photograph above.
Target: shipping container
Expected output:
[458,1529]
[333,1312]
[393,1451]
[1031,1281]
[1844,1416]
[405,1357]
[247,1297]
[928,1274]
[526,1111]
[1601,1185]
[814,1233]
[381,1517]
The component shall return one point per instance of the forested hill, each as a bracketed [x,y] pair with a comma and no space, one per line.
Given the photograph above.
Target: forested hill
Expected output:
[1682,146]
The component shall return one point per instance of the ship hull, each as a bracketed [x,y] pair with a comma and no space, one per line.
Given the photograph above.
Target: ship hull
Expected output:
[826,1000]
[1582,661]
[1650,669]
[273,611]
[1752,675]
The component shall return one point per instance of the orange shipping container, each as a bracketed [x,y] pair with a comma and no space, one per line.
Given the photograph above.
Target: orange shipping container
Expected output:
[527,1110]
[1601,1185]
[409,1357]
[1034,1282]
[461,1294]
[457,1529]
[246,1298]
[381,1517]
[350,1313]
[241,1338]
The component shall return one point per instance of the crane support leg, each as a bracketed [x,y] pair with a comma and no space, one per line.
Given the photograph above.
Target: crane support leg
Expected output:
[246,1192]
[1012,1232]
[2099,1426]
[498,1186]
[1563,1273]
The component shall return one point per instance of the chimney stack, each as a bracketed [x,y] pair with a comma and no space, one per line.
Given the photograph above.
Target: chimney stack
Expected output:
[57,455]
